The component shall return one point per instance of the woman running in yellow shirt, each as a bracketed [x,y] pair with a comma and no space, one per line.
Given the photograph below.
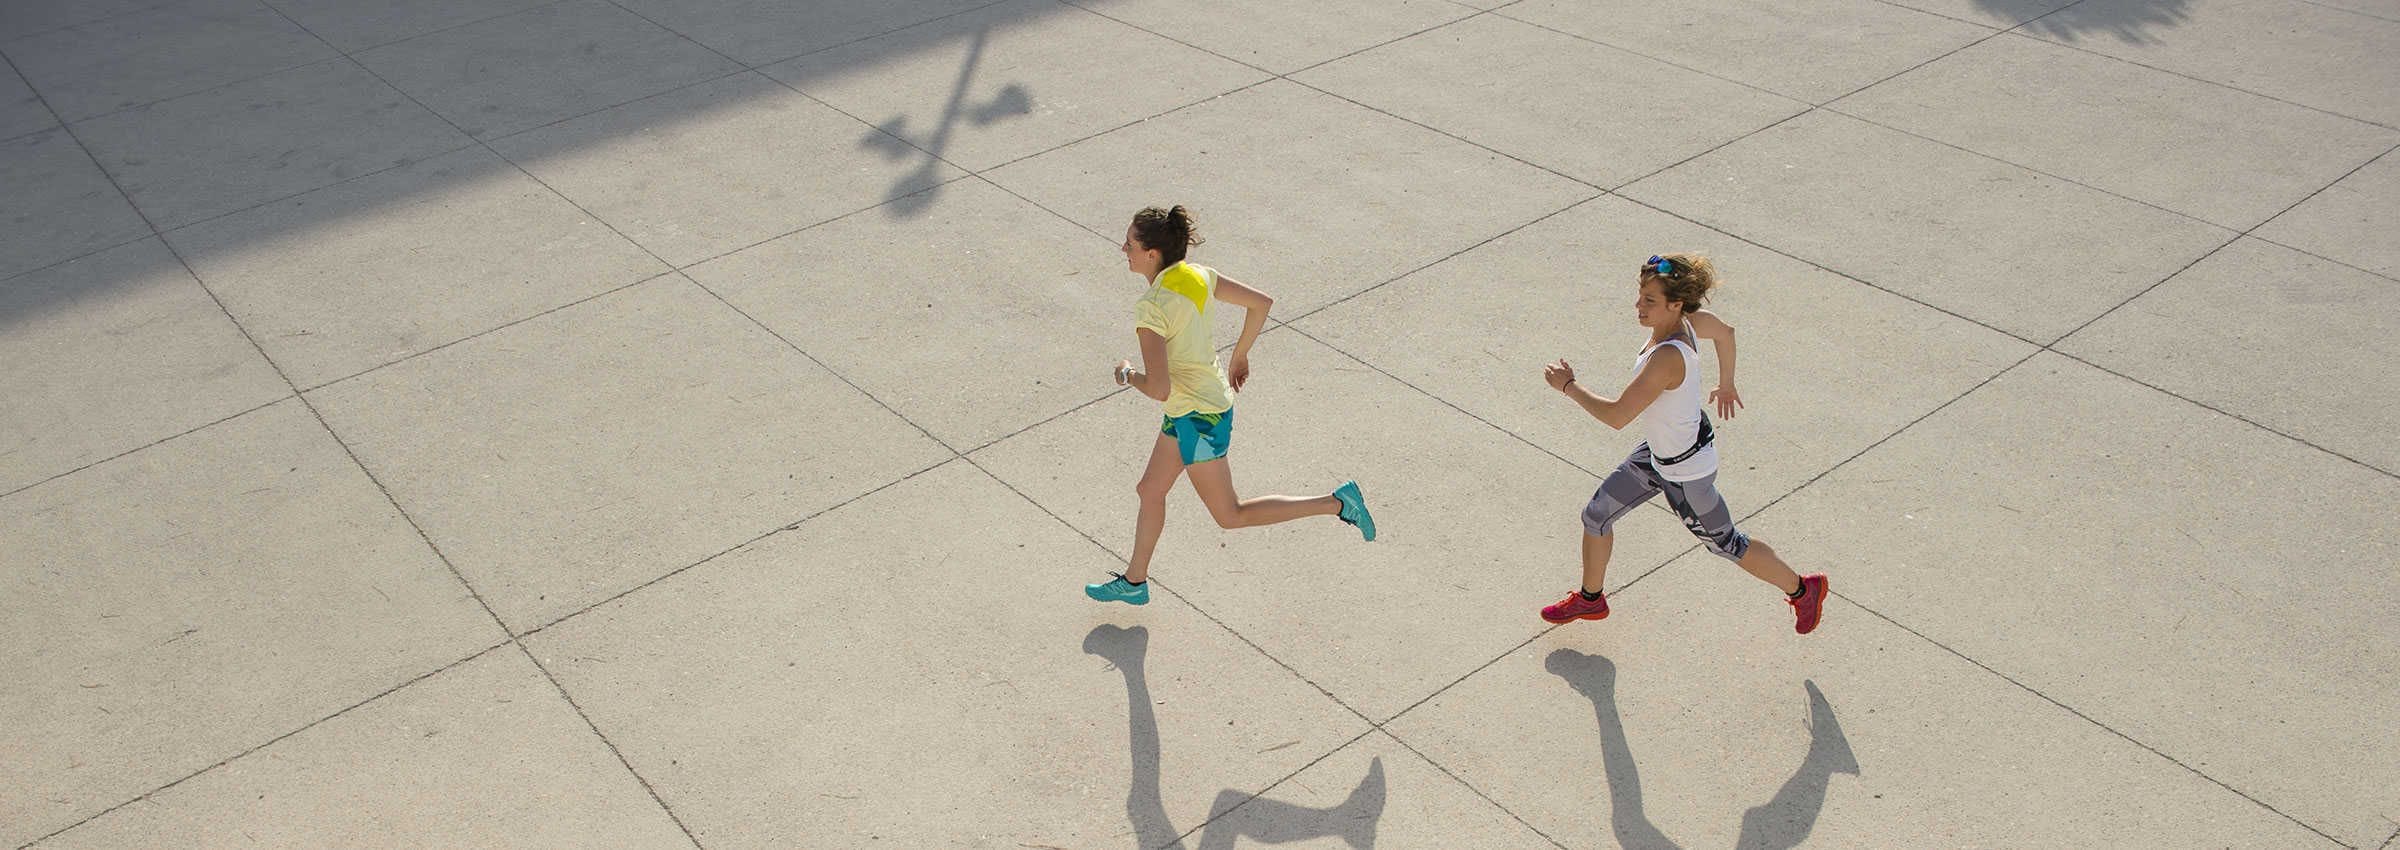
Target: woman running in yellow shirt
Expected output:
[1179,369]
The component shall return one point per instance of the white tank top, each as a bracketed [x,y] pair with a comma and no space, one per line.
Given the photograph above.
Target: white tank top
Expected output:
[1672,422]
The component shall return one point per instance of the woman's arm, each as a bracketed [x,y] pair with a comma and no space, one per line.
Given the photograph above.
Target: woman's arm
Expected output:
[1152,379]
[1712,327]
[1255,305]
[1656,376]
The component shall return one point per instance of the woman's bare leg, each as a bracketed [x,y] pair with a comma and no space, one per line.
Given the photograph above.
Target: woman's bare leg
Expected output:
[1158,479]
[1214,482]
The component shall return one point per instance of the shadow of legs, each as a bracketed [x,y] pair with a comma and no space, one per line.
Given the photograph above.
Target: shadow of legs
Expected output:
[1277,822]
[1785,821]
[1127,648]
[1596,678]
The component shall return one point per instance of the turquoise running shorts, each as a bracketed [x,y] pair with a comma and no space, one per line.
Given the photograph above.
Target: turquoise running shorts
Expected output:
[1202,437]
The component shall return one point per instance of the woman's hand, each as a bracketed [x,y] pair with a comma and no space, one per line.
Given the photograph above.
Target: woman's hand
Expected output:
[1237,371]
[1727,399]
[1122,373]
[1559,375]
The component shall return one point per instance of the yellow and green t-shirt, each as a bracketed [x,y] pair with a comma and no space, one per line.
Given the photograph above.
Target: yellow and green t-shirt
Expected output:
[1176,308]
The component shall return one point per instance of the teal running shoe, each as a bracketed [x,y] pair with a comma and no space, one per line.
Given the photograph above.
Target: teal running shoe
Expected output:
[1119,590]
[1354,509]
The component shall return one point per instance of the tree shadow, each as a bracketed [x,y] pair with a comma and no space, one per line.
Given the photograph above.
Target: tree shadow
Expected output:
[1782,822]
[1238,814]
[891,138]
[2131,21]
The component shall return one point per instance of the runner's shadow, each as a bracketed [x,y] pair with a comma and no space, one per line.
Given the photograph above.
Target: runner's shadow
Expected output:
[1259,818]
[1596,678]
[1782,822]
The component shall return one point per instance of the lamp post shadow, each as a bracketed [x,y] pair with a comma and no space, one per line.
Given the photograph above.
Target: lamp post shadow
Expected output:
[1237,814]
[917,189]
[1782,822]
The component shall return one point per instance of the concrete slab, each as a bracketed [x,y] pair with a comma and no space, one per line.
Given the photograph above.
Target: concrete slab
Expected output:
[1826,366]
[973,352]
[766,717]
[2349,221]
[21,111]
[180,605]
[2028,254]
[236,147]
[359,26]
[985,87]
[2217,154]
[1693,717]
[1495,80]
[1815,53]
[1282,37]
[110,353]
[61,205]
[2308,53]
[727,164]
[1372,793]
[174,49]
[565,459]
[1451,588]
[515,73]
[2205,587]
[2246,331]
[345,279]
[1286,211]
[25,18]
[484,754]
[763,32]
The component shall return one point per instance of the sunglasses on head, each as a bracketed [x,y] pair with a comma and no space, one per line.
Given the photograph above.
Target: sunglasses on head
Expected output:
[1659,265]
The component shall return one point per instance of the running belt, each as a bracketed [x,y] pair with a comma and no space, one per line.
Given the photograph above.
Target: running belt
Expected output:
[1706,436]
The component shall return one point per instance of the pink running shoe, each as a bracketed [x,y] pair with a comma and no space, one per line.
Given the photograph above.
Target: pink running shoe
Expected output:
[1810,604]
[1575,607]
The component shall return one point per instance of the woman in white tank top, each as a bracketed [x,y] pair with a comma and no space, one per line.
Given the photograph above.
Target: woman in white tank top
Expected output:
[1678,454]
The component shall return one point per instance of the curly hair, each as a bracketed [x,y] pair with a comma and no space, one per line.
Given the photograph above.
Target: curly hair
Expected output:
[1683,277]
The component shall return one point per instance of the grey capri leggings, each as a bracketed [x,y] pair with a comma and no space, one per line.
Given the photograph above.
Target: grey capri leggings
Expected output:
[1697,502]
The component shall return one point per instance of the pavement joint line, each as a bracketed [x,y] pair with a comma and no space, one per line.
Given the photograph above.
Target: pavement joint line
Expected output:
[1214,816]
[753,541]
[150,6]
[1658,59]
[2360,13]
[2388,842]
[2217,83]
[403,685]
[1293,320]
[569,697]
[1833,109]
[2228,414]
[2353,172]
[194,430]
[1947,17]
[845,379]
[491,330]
[2090,719]
[1470,786]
